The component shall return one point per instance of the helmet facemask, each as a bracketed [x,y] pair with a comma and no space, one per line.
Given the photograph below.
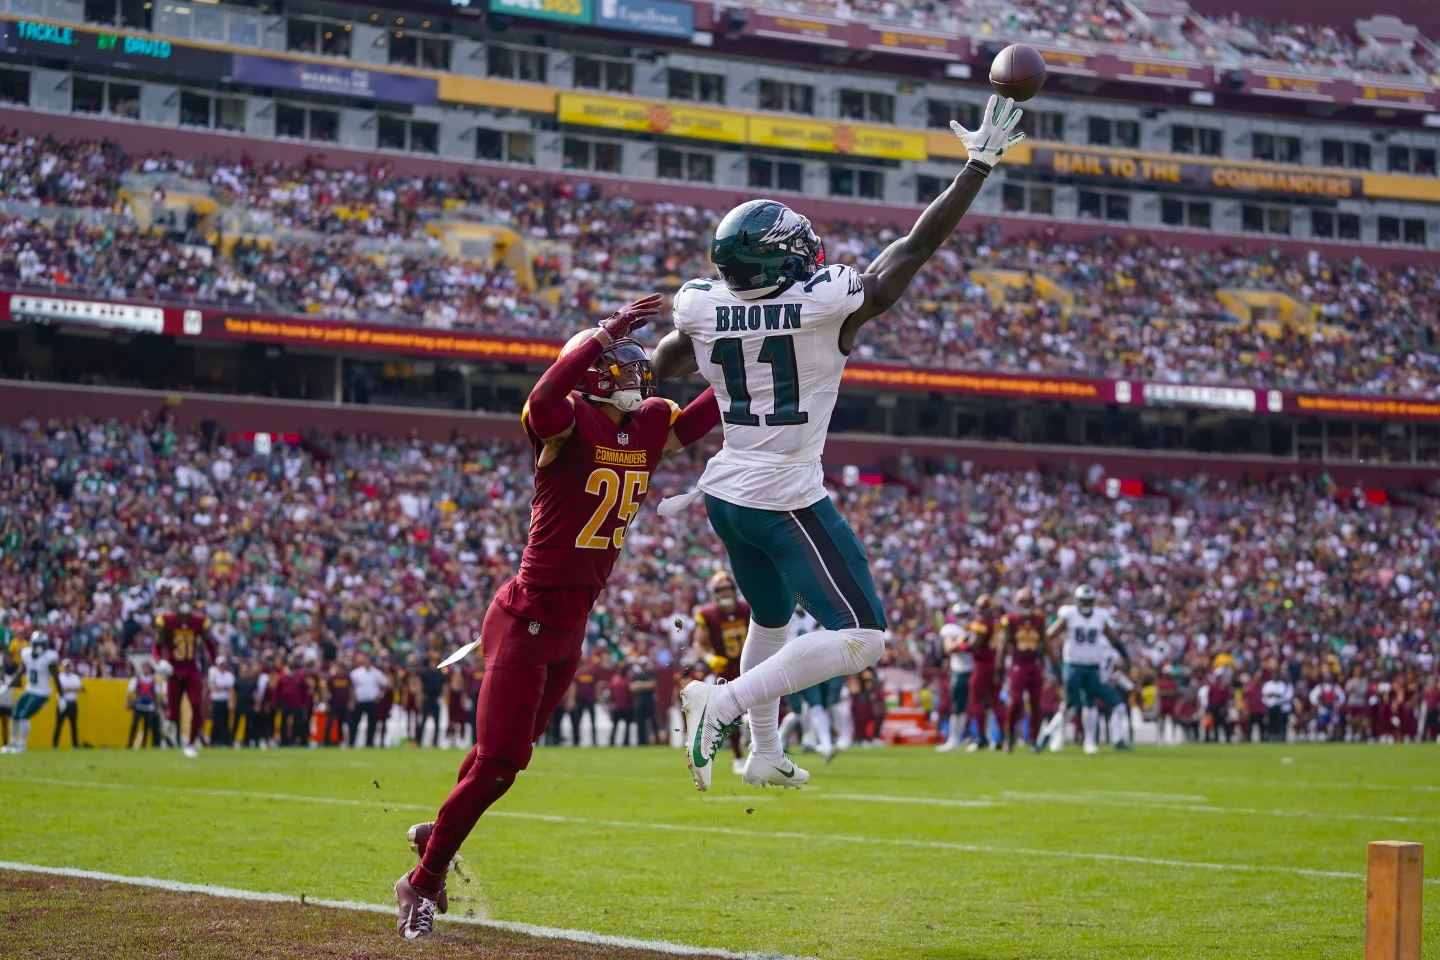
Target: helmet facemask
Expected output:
[621,375]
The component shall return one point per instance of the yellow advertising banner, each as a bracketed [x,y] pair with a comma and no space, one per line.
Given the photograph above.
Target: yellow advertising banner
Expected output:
[824,137]
[650,116]
[730,126]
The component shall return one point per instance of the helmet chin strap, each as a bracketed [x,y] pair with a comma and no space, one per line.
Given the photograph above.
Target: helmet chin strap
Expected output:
[626,401]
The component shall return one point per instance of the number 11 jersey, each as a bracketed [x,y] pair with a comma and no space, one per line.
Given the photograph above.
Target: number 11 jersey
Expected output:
[585,500]
[775,363]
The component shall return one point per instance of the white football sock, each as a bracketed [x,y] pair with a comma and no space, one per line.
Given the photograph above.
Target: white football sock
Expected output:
[803,662]
[22,733]
[762,643]
[1090,722]
[787,726]
[843,723]
[957,723]
[820,723]
[1120,724]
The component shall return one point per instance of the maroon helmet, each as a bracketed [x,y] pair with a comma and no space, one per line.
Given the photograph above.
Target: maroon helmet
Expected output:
[621,375]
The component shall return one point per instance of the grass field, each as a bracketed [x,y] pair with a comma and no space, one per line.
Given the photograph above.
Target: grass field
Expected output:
[1246,851]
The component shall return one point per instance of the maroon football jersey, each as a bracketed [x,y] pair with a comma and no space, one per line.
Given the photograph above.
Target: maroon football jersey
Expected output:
[982,639]
[727,630]
[179,639]
[1027,635]
[584,502]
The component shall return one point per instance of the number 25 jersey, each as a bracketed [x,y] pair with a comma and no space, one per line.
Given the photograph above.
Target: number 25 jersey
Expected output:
[584,502]
[775,363]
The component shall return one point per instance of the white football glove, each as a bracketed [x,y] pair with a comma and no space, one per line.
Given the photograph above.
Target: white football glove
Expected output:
[989,143]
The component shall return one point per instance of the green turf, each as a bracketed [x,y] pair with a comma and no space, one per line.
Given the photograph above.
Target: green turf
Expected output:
[619,842]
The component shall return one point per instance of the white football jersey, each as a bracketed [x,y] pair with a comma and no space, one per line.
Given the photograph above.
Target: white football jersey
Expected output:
[37,670]
[775,364]
[1085,640]
[960,662]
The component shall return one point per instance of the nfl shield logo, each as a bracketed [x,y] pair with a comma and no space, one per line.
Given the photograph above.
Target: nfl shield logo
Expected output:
[623,439]
[534,627]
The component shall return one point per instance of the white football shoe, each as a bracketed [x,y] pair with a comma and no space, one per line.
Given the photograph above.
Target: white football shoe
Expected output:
[1091,749]
[190,752]
[705,733]
[737,767]
[947,746]
[784,772]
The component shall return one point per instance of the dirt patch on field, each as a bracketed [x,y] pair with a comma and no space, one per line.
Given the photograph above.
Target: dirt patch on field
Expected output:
[44,917]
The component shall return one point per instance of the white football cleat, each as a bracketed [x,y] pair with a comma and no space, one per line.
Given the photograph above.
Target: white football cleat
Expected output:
[972,746]
[947,746]
[784,772]
[705,733]
[1091,749]
[738,767]
[190,752]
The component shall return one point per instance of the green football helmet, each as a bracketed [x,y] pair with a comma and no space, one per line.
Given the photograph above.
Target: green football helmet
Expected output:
[762,246]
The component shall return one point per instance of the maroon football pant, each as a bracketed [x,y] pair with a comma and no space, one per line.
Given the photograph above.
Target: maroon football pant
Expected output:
[1026,679]
[185,684]
[984,695]
[528,669]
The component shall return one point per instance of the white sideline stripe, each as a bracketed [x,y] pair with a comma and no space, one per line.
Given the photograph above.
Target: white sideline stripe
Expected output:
[772,834]
[1311,784]
[1081,798]
[258,896]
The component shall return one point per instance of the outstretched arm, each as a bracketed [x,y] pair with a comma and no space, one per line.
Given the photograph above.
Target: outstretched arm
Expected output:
[548,410]
[698,418]
[888,276]
[674,356]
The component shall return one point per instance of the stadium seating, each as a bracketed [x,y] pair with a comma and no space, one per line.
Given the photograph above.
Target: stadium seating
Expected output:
[1106,307]
[396,546]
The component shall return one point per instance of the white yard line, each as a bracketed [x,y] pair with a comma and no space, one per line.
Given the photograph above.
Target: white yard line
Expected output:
[1080,799]
[769,835]
[530,929]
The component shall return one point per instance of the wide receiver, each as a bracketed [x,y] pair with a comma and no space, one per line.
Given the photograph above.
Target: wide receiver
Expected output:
[1090,642]
[38,665]
[182,638]
[772,335]
[719,638]
[597,432]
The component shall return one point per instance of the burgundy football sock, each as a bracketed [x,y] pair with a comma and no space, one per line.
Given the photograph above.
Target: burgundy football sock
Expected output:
[484,782]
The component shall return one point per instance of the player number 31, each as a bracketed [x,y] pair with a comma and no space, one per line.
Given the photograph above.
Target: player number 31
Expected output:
[607,485]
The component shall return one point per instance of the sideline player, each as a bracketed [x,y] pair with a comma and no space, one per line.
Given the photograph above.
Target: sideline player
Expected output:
[772,336]
[1090,639]
[985,679]
[181,638]
[1024,631]
[719,638]
[597,432]
[955,644]
[38,664]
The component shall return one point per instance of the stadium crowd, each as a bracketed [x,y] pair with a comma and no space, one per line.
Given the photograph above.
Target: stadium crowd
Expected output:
[1124,308]
[317,560]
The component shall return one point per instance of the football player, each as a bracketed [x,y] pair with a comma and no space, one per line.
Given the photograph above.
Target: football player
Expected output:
[38,665]
[1090,639]
[772,334]
[1024,631]
[182,639]
[597,431]
[719,638]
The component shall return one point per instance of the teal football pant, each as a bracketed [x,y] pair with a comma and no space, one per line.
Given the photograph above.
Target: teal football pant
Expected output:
[810,554]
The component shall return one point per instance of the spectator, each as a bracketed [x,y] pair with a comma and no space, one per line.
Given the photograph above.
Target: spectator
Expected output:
[1278,696]
[220,682]
[142,697]
[370,688]
[67,705]
[622,707]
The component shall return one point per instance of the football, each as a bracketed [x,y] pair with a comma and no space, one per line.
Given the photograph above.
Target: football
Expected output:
[1018,71]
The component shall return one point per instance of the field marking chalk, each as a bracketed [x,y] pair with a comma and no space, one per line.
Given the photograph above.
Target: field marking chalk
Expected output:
[258,896]
[764,834]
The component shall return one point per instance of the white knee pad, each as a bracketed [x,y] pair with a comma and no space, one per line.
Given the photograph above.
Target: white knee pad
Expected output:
[863,648]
